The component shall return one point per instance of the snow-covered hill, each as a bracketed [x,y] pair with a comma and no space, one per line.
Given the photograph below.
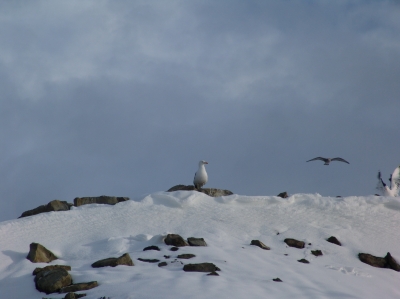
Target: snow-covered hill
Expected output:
[88,233]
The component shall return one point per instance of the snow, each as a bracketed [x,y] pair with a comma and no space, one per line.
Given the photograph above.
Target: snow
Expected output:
[89,233]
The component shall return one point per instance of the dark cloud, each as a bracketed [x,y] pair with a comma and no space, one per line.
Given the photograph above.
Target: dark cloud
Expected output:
[123,98]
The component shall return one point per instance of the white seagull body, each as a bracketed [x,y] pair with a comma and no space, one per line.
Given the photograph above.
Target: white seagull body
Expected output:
[394,179]
[200,177]
[328,160]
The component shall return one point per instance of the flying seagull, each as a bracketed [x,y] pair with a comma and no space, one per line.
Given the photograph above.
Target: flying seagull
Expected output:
[200,177]
[394,180]
[328,160]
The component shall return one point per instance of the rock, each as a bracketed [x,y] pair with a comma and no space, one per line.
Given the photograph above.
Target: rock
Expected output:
[213,274]
[53,267]
[209,191]
[50,281]
[79,287]
[380,262]
[174,248]
[304,261]
[40,254]
[74,296]
[316,252]
[186,256]
[153,247]
[109,200]
[166,256]
[259,244]
[196,241]
[333,240]
[162,264]
[294,243]
[55,205]
[175,240]
[124,259]
[277,279]
[148,260]
[283,195]
[202,267]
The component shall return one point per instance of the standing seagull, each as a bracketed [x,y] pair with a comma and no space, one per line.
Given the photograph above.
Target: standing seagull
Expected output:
[200,177]
[394,180]
[328,160]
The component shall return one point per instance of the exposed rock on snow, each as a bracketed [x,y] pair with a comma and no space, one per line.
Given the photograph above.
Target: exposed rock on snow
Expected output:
[54,205]
[283,195]
[333,240]
[196,241]
[74,296]
[53,267]
[380,262]
[40,254]
[51,281]
[304,261]
[153,247]
[259,244]
[148,260]
[316,252]
[79,287]
[186,256]
[109,200]
[124,259]
[294,243]
[175,240]
[209,191]
[202,267]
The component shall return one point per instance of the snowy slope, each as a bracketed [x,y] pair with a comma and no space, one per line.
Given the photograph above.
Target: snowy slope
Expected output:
[86,234]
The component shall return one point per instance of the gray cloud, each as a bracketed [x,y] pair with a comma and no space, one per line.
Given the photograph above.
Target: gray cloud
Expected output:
[123,98]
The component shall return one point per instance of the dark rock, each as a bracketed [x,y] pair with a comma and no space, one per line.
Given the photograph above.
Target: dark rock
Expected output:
[294,243]
[259,244]
[124,259]
[175,240]
[40,254]
[53,267]
[153,247]
[283,195]
[174,248]
[162,264]
[54,205]
[202,267]
[213,274]
[109,200]
[391,262]
[277,279]
[380,262]
[148,260]
[209,191]
[196,241]
[74,296]
[186,256]
[79,287]
[304,261]
[316,252]
[51,281]
[166,256]
[333,240]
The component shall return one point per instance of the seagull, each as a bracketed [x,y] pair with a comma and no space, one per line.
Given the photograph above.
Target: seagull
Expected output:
[328,160]
[200,177]
[394,180]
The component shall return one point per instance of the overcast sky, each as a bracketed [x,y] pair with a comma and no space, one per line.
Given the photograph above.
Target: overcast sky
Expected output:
[124,98]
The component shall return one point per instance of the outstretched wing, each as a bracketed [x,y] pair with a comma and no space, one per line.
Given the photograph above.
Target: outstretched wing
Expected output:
[340,159]
[318,158]
[395,179]
[381,184]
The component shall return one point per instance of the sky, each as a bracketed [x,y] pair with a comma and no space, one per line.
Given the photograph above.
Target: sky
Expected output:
[123,98]
[89,233]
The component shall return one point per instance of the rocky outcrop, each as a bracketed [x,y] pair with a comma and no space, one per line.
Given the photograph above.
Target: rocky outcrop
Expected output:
[209,191]
[79,287]
[380,262]
[196,241]
[334,240]
[202,267]
[294,243]
[48,268]
[259,244]
[55,205]
[51,281]
[124,259]
[40,254]
[283,195]
[108,200]
[175,240]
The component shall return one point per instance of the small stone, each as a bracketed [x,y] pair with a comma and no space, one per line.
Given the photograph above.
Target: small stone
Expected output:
[202,267]
[333,240]
[153,247]
[148,260]
[316,252]
[277,279]
[259,244]
[162,264]
[304,261]
[174,248]
[294,243]
[40,254]
[124,259]
[196,241]
[213,274]
[283,195]
[79,287]
[175,240]
[186,256]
